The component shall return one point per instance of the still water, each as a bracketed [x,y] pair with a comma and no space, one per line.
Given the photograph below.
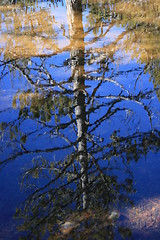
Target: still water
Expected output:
[80,119]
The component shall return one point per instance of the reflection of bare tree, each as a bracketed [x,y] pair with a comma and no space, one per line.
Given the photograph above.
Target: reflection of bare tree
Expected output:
[74,10]
[79,188]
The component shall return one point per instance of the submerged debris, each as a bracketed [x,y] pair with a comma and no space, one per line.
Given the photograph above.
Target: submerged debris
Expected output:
[145,215]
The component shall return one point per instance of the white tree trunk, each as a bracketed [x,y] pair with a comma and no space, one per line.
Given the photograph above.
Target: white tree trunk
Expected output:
[76,32]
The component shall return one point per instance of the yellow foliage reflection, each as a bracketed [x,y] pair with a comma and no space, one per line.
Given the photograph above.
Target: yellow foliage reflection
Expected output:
[143,21]
[27,31]
[34,31]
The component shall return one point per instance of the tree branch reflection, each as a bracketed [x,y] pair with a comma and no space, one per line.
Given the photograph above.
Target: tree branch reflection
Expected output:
[77,194]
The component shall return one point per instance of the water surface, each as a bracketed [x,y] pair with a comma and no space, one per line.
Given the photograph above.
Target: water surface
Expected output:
[80,119]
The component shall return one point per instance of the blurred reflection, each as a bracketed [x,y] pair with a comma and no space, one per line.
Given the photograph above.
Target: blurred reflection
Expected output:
[81,177]
[30,30]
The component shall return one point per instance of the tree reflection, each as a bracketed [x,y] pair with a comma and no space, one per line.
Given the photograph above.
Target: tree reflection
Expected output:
[77,194]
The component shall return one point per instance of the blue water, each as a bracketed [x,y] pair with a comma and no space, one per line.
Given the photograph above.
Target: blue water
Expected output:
[79,107]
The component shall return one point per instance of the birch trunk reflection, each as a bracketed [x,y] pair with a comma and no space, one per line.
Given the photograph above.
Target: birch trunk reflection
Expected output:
[74,14]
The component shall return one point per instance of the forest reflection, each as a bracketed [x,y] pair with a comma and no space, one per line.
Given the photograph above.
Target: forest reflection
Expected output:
[81,176]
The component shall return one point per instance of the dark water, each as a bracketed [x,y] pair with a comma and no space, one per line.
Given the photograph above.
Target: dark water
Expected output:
[80,119]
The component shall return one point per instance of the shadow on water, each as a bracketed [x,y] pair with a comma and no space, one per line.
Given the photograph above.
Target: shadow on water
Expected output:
[79,116]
